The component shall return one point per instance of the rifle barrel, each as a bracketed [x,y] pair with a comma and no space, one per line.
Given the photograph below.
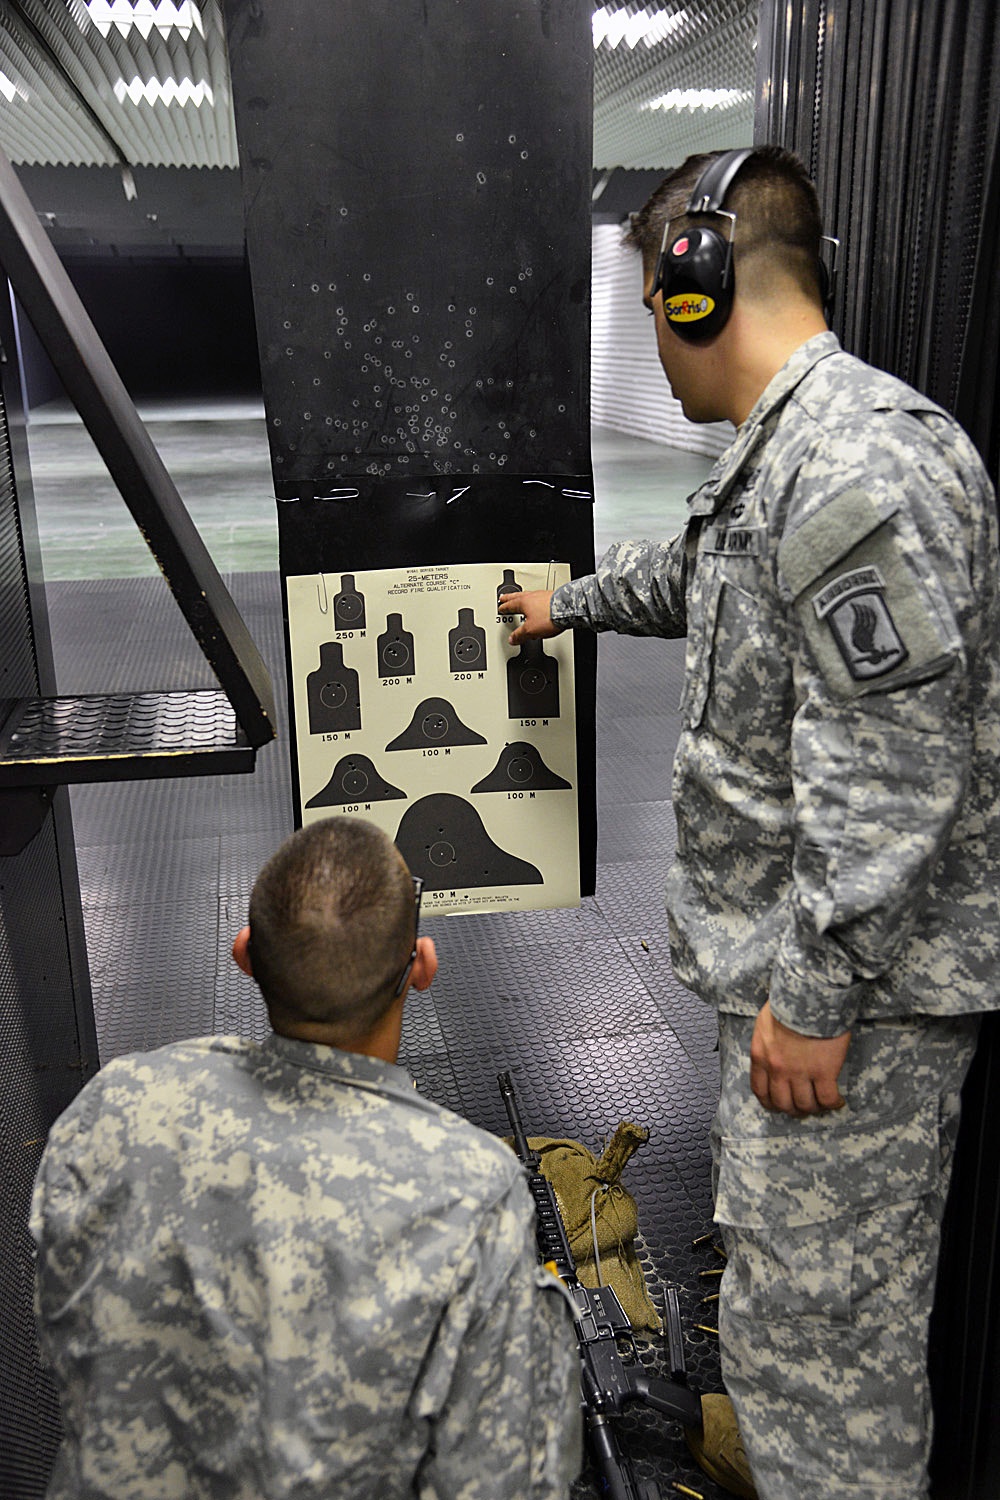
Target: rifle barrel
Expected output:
[514,1116]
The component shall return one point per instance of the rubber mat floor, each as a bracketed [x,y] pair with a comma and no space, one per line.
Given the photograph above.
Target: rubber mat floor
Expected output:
[581,1005]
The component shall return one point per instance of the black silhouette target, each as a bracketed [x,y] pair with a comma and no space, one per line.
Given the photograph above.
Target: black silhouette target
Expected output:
[532,683]
[520,767]
[354,779]
[442,839]
[467,644]
[509,585]
[349,605]
[435,723]
[333,693]
[396,656]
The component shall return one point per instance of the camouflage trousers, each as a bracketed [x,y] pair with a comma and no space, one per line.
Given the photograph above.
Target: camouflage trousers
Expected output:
[831,1226]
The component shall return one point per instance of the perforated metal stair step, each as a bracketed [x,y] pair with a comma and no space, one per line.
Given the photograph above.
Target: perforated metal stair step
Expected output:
[120,737]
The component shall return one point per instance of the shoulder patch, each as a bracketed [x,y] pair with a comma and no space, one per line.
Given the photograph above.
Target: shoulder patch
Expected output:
[854,606]
[869,618]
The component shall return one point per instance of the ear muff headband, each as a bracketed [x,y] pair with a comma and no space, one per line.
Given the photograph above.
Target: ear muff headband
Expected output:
[695,269]
[709,192]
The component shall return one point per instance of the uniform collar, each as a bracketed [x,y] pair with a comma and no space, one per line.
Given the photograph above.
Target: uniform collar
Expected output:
[350,1067]
[706,500]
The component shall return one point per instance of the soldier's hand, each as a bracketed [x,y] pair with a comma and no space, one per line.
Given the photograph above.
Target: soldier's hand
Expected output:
[793,1073]
[536,607]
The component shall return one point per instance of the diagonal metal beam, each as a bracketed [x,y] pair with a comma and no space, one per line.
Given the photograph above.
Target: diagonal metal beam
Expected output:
[93,384]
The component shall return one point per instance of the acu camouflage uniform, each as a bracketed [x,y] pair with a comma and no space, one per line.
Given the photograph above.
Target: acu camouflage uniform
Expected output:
[837,794]
[277,1271]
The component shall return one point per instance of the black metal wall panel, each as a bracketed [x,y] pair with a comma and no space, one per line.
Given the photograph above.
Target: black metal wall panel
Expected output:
[417,188]
[47,1043]
[894,109]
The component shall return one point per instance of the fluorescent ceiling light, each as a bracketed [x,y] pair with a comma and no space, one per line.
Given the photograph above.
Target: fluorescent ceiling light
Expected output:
[164,91]
[614,26]
[700,99]
[144,15]
[12,91]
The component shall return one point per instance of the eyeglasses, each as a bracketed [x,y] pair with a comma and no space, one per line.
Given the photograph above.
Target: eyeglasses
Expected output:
[418,888]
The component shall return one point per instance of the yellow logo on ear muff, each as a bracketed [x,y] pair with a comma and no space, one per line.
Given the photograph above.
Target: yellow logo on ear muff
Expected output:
[685,307]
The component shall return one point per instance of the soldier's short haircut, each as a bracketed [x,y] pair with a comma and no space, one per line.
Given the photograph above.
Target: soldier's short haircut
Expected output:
[331,926]
[778,225]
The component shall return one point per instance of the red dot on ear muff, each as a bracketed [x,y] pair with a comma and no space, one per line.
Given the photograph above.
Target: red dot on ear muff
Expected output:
[681,246]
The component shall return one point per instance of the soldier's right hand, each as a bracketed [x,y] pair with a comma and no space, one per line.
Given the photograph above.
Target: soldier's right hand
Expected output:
[536,607]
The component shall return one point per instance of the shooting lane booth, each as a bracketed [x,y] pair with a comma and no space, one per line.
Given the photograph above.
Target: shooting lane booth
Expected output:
[420,260]
[417,180]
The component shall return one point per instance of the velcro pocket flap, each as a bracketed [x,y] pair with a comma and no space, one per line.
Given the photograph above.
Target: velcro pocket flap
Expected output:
[827,537]
[811,1176]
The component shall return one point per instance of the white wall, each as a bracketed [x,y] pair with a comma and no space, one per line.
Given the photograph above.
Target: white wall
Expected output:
[628,390]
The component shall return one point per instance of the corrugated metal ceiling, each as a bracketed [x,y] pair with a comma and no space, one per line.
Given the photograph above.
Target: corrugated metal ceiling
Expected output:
[145,83]
[679,79]
[115,82]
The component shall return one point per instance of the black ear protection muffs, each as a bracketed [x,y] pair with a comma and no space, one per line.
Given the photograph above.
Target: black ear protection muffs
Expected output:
[694,270]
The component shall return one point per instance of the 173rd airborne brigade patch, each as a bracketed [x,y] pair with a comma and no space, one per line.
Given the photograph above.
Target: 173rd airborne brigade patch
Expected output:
[855,608]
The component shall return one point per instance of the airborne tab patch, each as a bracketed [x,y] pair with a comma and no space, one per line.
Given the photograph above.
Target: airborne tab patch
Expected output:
[854,607]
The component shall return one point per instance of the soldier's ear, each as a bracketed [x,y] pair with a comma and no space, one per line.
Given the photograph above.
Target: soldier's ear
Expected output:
[425,964]
[241,951]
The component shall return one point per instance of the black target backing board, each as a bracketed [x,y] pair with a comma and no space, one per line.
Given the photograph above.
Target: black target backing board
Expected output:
[417,192]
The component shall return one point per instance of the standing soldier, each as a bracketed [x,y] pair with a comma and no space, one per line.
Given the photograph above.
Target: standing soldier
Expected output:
[835,893]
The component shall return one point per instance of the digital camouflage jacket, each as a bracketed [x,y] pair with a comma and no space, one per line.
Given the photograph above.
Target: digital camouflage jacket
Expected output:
[278,1271]
[837,779]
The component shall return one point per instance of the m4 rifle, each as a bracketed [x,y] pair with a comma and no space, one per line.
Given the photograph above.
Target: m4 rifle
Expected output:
[611,1375]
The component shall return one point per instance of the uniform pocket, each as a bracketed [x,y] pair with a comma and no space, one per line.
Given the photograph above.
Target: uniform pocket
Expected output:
[794,1203]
